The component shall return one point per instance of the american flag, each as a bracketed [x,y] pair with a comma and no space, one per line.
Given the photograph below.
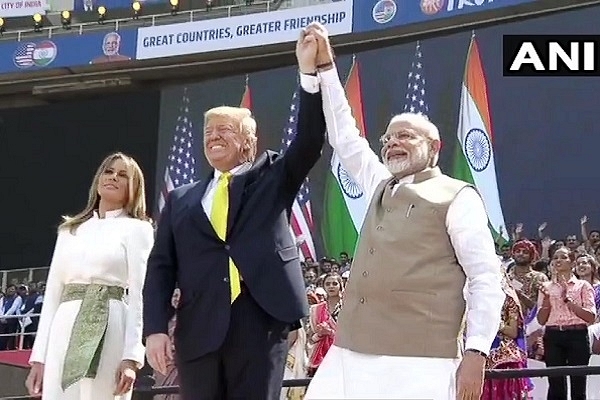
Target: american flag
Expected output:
[181,163]
[23,56]
[301,219]
[415,90]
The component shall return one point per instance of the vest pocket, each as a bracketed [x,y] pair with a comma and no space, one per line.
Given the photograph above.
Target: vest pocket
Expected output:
[288,253]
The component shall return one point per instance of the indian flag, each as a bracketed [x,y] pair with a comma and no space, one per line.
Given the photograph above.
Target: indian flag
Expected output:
[474,159]
[246,97]
[345,203]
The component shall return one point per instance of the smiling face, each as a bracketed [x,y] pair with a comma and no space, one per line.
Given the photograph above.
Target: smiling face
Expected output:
[113,183]
[410,144]
[562,260]
[229,137]
[583,266]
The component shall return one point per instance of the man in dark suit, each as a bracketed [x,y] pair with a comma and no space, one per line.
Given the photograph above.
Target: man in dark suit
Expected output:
[241,291]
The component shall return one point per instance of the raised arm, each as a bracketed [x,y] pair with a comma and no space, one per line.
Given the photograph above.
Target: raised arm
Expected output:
[353,150]
[467,225]
[305,149]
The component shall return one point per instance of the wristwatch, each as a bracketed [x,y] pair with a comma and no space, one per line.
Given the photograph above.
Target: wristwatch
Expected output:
[481,353]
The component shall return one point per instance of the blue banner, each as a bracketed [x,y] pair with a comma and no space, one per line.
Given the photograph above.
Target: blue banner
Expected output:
[370,15]
[70,50]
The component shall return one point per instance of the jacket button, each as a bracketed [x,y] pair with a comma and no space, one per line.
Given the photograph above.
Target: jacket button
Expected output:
[226,279]
[365,274]
[362,300]
[371,250]
[388,210]
[379,228]
[227,247]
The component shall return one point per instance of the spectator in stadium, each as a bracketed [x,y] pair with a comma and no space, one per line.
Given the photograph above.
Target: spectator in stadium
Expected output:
[295,364]
[10,326]
[523,278]
[509,351]
[418,244]
[566,308]
[89,342]
[586,268]
[31,305]
[228,247]
[323,321]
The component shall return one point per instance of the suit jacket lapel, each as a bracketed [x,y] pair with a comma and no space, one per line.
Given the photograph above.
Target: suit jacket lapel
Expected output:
[201,219]
[238,186]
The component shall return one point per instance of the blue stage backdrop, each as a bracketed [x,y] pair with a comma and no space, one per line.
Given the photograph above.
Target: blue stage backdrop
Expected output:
[383,14]
[68,50]
[545,129]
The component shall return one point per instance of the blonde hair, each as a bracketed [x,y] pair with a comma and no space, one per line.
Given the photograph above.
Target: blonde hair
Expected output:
[136,202]
[244,121]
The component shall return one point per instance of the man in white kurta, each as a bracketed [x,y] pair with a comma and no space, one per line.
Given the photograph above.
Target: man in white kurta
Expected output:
[425,235]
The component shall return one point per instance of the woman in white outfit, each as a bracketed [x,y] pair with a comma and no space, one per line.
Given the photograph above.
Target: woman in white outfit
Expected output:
[89,341]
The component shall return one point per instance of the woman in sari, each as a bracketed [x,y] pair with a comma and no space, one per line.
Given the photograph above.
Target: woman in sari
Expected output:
[509,351]
[323,321]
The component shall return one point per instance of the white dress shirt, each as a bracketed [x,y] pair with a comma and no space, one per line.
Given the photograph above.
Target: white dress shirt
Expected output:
[466,221]
[209,194]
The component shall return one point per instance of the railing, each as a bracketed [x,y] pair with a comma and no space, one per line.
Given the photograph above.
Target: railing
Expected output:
[158,19]
[21,333]
[21,276]
[144,390]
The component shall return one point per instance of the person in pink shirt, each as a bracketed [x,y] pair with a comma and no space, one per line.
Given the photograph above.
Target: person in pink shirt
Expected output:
[566,308]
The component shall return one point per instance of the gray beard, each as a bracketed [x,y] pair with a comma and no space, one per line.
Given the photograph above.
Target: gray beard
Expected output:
[417,162]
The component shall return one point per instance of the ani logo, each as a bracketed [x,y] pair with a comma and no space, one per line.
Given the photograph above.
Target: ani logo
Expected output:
[478,149]
[384,11]
[432,7]
[349,187]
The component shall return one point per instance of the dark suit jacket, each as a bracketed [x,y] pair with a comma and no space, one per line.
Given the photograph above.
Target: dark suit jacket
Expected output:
[187,251]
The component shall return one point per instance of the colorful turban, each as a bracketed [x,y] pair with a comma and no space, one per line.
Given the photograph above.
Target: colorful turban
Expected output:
[528,246]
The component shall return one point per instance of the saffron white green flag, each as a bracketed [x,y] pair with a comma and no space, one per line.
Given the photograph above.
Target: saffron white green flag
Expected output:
[345,204]
[474,158]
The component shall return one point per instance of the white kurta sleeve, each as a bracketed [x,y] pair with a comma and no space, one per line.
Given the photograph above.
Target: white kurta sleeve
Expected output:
[52,294]
[467,225]
[138,244]
[354,152]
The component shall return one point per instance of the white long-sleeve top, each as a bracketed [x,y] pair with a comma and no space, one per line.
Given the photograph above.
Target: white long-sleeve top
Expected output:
[110,251]
[466,221]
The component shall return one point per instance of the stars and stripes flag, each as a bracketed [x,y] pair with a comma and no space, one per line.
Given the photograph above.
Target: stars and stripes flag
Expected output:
[415,90]
[301,218]
[23,57]
[181,163]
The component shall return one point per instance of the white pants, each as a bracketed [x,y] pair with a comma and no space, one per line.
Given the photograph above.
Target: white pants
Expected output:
[345,374]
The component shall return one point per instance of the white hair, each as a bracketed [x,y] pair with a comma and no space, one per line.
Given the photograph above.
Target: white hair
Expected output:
[423,124]
[419,121]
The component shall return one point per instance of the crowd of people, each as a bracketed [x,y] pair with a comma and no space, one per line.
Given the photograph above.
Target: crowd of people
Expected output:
[216,292]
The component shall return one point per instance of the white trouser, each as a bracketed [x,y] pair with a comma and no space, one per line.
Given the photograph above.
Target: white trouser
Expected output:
[345,374]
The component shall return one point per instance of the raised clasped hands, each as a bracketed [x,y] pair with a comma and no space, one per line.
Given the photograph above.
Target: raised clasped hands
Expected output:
[313,49]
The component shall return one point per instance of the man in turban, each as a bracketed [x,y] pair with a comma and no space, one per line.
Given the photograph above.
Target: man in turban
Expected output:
[524,279]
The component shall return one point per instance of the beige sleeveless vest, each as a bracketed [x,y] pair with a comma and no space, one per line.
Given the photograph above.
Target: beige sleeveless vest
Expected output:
[404,295]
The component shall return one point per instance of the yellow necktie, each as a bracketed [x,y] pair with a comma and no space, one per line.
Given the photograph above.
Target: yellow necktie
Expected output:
[218,218]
